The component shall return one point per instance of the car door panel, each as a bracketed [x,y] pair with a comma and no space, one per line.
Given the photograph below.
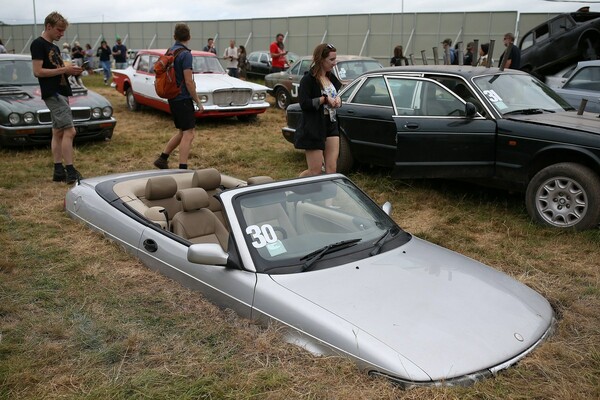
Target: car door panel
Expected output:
[439,140]
[227,287]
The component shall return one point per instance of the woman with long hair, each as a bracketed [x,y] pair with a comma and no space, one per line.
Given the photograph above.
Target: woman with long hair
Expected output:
[398,58]
[318,132]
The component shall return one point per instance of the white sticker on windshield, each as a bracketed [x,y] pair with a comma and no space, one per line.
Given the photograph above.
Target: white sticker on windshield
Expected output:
[492,95]
[276,248]
[342,72]
[261,235]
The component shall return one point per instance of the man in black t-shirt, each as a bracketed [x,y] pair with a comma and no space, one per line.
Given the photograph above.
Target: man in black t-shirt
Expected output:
[52,75]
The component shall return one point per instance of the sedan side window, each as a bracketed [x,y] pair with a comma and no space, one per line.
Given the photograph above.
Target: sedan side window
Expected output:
[374,92]
[437,101]
[144,63]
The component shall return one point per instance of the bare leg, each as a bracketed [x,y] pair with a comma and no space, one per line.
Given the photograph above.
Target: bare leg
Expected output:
[56,145]
[332,151]
[314,160]
[186,145]
[173,142]
[67,144]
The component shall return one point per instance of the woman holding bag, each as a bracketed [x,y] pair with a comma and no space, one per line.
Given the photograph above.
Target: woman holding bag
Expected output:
[318,132]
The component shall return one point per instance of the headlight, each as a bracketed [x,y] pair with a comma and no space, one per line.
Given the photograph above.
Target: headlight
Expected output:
[203,98]
[29,118]
[259,96]
[14,119]
[96,113]
[107,112]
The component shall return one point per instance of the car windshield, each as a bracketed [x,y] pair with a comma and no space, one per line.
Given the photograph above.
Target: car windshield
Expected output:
[515,93]
[313,225]
[16,72]
[207,65]
[351,69]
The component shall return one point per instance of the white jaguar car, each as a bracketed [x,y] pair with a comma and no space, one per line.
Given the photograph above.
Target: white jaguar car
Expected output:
[319,258]
[221,95]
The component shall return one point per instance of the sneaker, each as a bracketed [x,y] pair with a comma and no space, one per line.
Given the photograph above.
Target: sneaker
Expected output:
[161,163]
[73,176]
[60,175]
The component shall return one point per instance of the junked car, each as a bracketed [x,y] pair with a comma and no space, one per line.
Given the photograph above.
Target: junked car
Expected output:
[284,85]
[221,95]
[24,117]
[259,63]
[560,42]
[499,128]
[322,260]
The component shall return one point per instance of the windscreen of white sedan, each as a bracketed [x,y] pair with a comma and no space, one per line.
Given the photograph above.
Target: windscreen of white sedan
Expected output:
[314,225]
[207,65]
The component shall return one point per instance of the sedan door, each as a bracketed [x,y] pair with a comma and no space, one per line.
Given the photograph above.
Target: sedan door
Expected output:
[142,80]
[366,121]
[435,138]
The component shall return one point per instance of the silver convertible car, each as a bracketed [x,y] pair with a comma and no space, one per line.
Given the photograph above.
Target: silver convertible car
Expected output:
[321,259]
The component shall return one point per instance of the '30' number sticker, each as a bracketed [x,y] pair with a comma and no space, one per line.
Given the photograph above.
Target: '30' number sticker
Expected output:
[261,235]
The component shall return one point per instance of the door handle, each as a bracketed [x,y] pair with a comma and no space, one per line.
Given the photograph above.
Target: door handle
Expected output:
[411,125]
[150,245]
[351,112]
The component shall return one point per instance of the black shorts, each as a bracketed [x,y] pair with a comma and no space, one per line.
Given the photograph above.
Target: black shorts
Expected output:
[183,114]
[332,129]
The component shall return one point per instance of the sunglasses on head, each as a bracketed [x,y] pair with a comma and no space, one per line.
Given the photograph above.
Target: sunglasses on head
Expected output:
[330,46]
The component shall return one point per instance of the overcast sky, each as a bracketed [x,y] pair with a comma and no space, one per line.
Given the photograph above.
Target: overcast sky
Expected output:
[76,11]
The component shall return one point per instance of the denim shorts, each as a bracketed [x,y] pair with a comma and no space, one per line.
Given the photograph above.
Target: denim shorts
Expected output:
[61,114]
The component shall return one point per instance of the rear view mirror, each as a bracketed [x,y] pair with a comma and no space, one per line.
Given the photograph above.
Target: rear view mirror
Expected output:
[470,110]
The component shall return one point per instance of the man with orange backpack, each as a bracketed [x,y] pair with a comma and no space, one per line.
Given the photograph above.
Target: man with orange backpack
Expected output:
[182,106]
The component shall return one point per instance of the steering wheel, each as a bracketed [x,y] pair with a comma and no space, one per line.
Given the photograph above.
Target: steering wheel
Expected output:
[281,230]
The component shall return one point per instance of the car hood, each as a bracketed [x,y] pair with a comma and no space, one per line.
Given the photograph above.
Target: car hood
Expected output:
[446,313]
[569,119]
[22,99]
[211,82]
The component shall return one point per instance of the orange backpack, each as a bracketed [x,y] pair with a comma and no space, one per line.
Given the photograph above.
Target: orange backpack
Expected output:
[165,83]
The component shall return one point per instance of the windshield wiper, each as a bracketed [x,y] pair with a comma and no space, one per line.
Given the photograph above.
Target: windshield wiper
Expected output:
[389,234]
[330,248]
[528,111]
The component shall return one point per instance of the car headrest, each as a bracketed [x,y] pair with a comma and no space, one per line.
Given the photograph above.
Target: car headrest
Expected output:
[192,198]
[160,187]
[255,180]
[208,178]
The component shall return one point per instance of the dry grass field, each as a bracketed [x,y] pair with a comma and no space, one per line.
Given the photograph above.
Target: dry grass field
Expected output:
[80,319]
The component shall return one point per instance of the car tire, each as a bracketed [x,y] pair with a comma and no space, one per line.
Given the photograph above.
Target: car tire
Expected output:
[282,98]
[132,104]
[345,159]
[565,195]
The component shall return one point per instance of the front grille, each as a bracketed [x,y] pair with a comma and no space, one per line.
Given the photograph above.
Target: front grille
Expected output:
[229,98]
[79,114]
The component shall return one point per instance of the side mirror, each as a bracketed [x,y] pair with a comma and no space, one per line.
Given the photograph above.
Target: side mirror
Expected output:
[470,110]
[387,208]
[207,253]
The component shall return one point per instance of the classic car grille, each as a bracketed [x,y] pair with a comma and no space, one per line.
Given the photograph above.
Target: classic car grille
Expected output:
[228,98]
[79,114]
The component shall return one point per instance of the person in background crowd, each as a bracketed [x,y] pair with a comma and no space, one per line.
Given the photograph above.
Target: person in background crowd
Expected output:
[483,55]
[77,54]
[89,57]
[2,48]
[278,53]
[52,75]
[66,52]
[318,132]
[230,55]
[210,46]
[182,106]
[513,60]
[242,61]
[447,45]
[103,54]
[469,54]
[398,58]
[119,52]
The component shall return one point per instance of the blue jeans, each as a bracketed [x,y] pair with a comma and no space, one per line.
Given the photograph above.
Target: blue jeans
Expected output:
[106,69]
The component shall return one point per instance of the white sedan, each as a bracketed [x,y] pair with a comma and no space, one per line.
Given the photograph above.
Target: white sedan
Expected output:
[220,94]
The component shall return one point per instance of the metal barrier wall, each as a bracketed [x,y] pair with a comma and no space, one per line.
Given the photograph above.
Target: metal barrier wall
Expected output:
[373,35]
